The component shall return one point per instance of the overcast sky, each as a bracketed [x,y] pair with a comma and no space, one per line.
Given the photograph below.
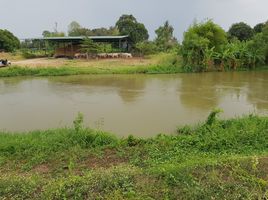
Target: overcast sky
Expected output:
[28,18]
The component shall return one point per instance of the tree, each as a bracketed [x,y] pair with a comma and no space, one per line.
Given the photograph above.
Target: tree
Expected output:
[89,47]
[258,28]
[146,47]
[73,28]
[198,42]
[46,33]
[103,31]
[241,31]
[128,25]
[165,39]
[53,34]
[265,38]
[8,42]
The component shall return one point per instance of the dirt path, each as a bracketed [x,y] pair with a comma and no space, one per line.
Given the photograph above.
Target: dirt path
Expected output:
[40,62]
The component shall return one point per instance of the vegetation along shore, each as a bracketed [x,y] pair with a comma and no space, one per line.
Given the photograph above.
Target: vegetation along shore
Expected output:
[218,159]
[205,46]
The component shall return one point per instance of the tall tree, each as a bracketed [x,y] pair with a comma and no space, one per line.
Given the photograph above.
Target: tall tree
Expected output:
[8,42]
[89,47]
[265,38]
[53,34]
[258,28]
[128,25]
[165,39]
[73,28]
[241,31]
[199,40]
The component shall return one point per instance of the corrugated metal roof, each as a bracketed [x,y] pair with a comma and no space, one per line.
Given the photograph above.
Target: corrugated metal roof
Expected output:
[79,37]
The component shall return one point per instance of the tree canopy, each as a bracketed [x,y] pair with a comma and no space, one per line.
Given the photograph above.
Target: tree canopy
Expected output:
[210,34]
[200,41]
[146,47]
[73,28]
[89,47]
[241,31]
[128,25]
[165,39]
[258,28]
[53,34]
[8,42]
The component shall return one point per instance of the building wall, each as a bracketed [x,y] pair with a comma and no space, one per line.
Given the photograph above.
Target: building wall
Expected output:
[67,50]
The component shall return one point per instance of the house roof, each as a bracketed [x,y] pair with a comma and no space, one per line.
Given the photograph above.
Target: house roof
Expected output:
[78,38]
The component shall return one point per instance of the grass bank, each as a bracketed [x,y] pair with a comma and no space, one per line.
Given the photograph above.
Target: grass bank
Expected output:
[162,63]
[219,159]
[63,71]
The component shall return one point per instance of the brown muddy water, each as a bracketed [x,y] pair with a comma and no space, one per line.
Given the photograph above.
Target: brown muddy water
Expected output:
[142,105]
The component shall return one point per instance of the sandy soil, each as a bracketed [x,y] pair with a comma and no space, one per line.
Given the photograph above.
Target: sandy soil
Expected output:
[40,62]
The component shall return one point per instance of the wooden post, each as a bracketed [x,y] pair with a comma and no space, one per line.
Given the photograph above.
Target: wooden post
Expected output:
[72,49]
[64,49]
[120,44]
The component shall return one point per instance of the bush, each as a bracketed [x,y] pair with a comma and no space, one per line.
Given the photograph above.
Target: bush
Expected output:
[8,42]
[29,54]
[241,31]
[198,42]
[146,48]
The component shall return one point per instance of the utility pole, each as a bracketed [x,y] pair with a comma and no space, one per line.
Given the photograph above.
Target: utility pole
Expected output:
[56,27]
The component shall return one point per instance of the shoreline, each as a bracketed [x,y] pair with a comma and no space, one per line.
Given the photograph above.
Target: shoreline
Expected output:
[15,71]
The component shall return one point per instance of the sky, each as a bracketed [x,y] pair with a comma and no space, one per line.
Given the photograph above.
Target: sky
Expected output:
[29,18]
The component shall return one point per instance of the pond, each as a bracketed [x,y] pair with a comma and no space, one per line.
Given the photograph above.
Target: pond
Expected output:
[142,105]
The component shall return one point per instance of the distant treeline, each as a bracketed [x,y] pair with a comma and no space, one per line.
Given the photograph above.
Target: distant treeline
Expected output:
[205,45]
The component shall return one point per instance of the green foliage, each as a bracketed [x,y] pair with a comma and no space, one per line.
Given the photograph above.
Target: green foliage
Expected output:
[53,34]
[265,38]
[75,29]
[198,42]
[212,118]
[146,48]
[106,48]
[78,122]
[90,47]
[8,42]
[259,27]
[14,187]
[222,159]
[241,31]
[200,54]
[128,25]
[29,54]
[165,40]
[112,184]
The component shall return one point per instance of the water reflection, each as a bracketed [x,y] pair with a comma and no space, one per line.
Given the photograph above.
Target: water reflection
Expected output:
[142,105]
[129,88]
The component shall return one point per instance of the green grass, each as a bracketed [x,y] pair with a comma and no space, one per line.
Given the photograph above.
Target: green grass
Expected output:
[162,63]
[220,159]
[63,71]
